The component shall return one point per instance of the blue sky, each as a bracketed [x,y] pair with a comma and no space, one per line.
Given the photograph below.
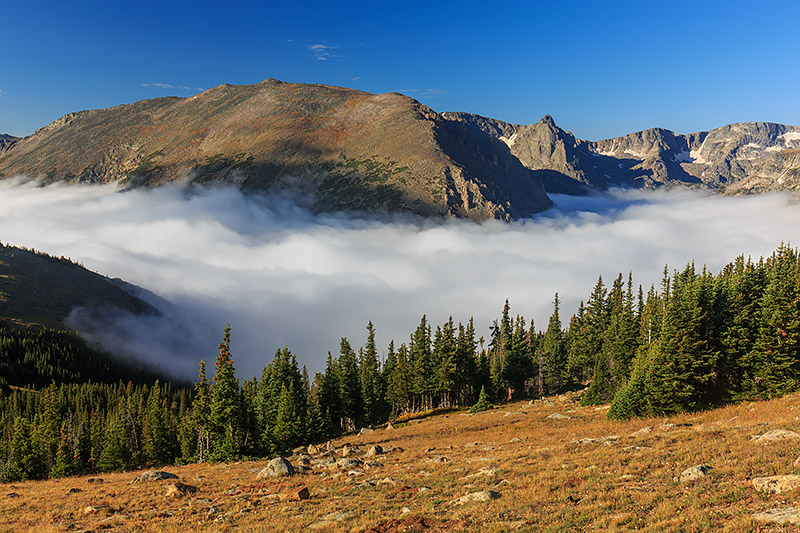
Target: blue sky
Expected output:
[601,69]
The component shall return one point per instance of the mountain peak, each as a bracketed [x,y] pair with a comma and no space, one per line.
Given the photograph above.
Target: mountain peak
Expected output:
[548,121]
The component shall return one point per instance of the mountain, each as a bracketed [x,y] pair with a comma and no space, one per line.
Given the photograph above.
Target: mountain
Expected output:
[738,158]
[6,142]
[350,150]
[40,290]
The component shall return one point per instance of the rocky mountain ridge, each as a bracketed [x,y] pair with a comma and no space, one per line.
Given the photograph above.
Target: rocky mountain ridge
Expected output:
[349,150]
[737,158]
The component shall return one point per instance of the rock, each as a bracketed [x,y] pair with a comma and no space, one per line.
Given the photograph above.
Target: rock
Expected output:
[296,495]
[277,467]
[374,450]
[389,425]
[12,495]
[776,435]
[94,480]
[405,510]
[312,450]
[212,510]
[781,515]
[92,509]
[470,445]
[515,439]
[324,461]
[153,475]
[387,481]
[694,473]
[74,490]
[486,471]
[776,484]
[645,430]
[558,416]
[179,490]
[482,496]
[365,431]
[330,447]
[371,464]
[346,450]
[299,450]
[338,516]
[304,460]
[348,463]
[302,469]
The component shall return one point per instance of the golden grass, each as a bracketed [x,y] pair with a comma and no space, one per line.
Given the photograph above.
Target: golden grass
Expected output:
[623,480]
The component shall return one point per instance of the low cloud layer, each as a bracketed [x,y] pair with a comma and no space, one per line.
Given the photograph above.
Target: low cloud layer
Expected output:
[282,276]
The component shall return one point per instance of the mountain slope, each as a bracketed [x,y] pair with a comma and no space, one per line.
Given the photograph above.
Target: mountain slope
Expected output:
[39,290]
[352,150]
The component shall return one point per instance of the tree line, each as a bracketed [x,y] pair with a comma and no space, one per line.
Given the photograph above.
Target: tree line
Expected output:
[700,340]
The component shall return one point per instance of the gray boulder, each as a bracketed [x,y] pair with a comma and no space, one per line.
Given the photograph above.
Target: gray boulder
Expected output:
[277,467]
[153,475]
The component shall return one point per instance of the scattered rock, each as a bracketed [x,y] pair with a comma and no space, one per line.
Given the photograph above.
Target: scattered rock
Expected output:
[93,509]
[346,450]
[365,431]
[387,481]
[423,490]
[694,473]
[389,425]
[153,475]
[371,464]
[277,467]
[405,510]
[775,435]
[471,445]
[781,515]
[338,516]
[179,490]
[776,484]
[312,450]
[330,447]
[348,463]
[645,430]
[374,450]
[304,460]
[296,495]
[482,496]
[12,495]
[302,469]
[74,490]
[486,471]
[325,461]
[515,439]
[558,416]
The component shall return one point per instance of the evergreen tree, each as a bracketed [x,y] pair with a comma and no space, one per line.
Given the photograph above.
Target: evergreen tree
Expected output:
[224,415]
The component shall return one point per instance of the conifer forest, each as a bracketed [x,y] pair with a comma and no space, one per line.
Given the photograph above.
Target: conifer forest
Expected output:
[695,341]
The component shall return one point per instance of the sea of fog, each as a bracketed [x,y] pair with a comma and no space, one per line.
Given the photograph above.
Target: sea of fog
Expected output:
[282,276]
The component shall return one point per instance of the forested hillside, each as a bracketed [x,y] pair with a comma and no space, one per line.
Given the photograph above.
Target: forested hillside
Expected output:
[699,340]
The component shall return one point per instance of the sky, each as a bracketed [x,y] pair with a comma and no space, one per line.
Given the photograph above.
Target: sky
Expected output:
[284,277]
[601,69]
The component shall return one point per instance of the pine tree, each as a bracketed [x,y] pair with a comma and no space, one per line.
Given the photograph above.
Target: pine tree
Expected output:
[200,413]
[369,379]
[482,404]
[224,415]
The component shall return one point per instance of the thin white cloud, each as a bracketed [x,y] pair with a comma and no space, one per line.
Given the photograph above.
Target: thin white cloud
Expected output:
[170,86]
[323,51]
[282,276]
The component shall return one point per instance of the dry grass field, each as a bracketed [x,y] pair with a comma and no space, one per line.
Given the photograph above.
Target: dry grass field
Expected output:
[581,473]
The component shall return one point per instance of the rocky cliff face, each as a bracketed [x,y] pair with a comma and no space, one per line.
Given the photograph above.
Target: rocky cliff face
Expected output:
[6,142]
[738,158]
[348,150]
